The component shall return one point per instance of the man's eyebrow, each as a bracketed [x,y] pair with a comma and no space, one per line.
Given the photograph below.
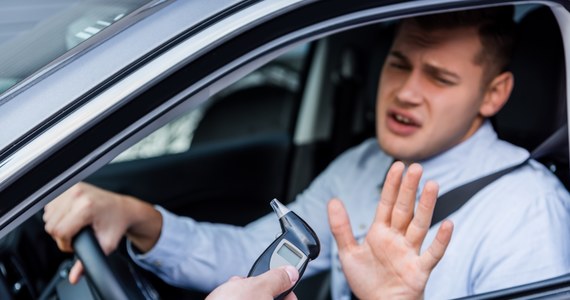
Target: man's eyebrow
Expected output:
[399,55]
[431,69]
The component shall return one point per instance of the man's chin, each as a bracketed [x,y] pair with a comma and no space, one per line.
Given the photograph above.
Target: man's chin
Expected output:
[400,154]
[407,152]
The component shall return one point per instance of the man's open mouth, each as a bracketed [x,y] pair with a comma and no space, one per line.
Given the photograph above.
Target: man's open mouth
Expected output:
[404,120]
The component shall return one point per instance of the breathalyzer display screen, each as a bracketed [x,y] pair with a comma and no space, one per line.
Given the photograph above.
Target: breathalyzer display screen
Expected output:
[289,255]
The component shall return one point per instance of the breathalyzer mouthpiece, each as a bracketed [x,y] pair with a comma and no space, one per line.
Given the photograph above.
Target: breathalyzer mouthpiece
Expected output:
[279,208]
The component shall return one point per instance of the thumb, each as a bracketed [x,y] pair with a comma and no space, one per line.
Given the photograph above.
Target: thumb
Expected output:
[279,280]
[75,272]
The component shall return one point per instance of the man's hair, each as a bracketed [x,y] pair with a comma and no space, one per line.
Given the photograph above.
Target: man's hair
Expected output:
[496,30]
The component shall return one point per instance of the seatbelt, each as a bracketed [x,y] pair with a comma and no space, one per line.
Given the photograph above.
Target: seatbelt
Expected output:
[451,201]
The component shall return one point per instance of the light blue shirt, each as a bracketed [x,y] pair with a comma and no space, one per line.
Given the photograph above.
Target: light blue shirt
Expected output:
[512,232]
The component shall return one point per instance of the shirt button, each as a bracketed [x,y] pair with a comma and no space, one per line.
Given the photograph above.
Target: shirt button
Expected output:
[362,226]
[156,263]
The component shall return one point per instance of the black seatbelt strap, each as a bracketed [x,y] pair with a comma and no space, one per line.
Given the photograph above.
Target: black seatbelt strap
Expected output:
[451,201]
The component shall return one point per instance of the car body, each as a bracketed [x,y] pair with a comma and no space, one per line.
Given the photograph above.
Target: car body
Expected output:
[65,117]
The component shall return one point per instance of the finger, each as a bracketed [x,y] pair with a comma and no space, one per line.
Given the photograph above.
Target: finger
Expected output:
[422,217]
[291,296]
[57,214]
[404,207]
[69,226]
[58,208]
[277,281]
[64,244]
[75,272]
[436,250]
[108,238]
[51,214]
[389,193]
[340,225]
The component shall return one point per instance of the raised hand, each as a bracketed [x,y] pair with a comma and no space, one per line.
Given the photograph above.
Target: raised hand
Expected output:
[388,264]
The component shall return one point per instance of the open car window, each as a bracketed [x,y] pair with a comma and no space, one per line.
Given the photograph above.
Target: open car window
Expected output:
[261,102]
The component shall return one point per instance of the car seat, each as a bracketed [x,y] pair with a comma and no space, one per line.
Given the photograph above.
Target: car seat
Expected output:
[250,111]
[537,106]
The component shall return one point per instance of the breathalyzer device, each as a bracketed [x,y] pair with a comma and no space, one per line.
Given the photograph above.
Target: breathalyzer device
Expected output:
[297,245]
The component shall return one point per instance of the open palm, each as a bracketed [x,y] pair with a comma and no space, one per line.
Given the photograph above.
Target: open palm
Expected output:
[388,263]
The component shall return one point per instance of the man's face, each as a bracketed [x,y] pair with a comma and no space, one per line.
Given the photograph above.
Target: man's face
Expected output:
[430,92]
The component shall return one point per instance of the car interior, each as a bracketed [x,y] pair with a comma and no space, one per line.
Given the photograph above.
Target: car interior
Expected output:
[246,147]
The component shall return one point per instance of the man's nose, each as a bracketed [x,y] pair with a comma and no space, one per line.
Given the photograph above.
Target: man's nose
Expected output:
[411,90]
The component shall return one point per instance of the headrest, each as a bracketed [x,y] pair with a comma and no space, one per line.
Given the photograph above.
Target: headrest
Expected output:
[537,106]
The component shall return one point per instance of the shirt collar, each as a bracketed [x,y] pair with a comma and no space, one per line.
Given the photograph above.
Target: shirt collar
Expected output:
[479,155]
[482,139]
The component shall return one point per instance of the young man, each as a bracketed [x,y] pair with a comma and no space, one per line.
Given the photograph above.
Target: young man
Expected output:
[444,76]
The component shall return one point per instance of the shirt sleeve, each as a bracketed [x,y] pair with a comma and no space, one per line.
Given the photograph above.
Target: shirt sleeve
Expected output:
[201,255]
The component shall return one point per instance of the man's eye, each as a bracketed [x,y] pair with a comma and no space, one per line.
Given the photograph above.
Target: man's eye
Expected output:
[444,81]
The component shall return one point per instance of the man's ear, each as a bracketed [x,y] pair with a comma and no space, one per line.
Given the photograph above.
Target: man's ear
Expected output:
[497,93]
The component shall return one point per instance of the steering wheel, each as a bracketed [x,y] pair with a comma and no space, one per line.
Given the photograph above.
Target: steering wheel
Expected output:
[104,275]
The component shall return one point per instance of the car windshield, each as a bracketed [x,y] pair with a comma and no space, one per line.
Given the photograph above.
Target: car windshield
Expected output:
[34,33]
